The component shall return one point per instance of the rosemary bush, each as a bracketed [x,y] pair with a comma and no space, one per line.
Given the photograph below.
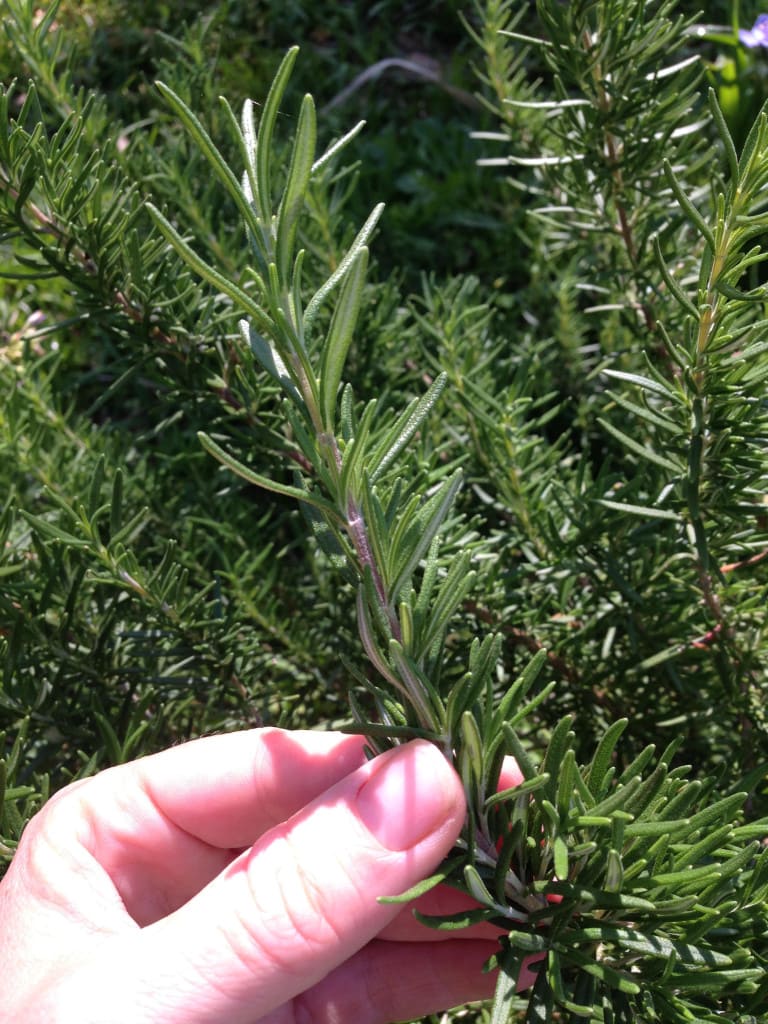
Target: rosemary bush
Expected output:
[519,511]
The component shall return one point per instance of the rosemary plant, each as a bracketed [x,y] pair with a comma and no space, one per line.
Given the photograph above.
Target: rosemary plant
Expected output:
[534,516]
[630,886]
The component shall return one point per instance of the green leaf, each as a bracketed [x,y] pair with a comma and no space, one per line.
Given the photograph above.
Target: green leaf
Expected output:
[566,784]
[711,842]
[389,732]
[722,810]
[225,286]
[674,286]
[751,144]
[336,147]
[266,483]
[332,541]
[614,979]
[666,826]
[264,149]
[526,787]
[446,871]
[725,135]
[560,851]
[417,688]
[372,616]
[651,945]
[644,511]
[109,736]
[510,707]
[510,966]
[757,295]
[299,171]
[601,760]
[470,753]
[457,584]
[642,382]
[640,449]
[477,887]
[712,981]
[525,762]
[269,358]
[205,144]
[559,744]
[430,517]
[11,570]
[686,877]
[602,899]
[615,801]
[53,532]
[116,505]
[354,456]
[404,429]
[689,209]
[668,426]
[314,304]
[238,132]
[340,336]
[249,142]
[458,921]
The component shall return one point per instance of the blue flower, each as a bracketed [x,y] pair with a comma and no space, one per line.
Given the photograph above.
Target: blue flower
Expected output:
[757,35]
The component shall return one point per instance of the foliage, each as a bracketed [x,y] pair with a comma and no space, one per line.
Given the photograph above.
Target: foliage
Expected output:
[522,512]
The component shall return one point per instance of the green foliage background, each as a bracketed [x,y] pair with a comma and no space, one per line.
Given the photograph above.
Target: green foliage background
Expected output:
[149,596]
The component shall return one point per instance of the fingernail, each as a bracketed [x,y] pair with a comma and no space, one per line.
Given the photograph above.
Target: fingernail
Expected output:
[409,795]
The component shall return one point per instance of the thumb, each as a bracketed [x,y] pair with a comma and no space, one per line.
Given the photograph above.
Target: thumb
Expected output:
[304,898]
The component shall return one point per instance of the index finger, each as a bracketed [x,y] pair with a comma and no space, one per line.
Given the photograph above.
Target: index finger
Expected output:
[228,790]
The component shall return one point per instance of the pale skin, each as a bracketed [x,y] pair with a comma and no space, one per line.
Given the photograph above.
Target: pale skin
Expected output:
[235,879]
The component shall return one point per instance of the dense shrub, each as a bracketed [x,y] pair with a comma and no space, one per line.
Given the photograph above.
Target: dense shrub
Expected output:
[546,536]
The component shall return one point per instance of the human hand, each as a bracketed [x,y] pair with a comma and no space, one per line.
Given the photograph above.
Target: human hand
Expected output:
[235,878]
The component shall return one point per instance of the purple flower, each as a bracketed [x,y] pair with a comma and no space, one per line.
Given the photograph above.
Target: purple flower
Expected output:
[757,35]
